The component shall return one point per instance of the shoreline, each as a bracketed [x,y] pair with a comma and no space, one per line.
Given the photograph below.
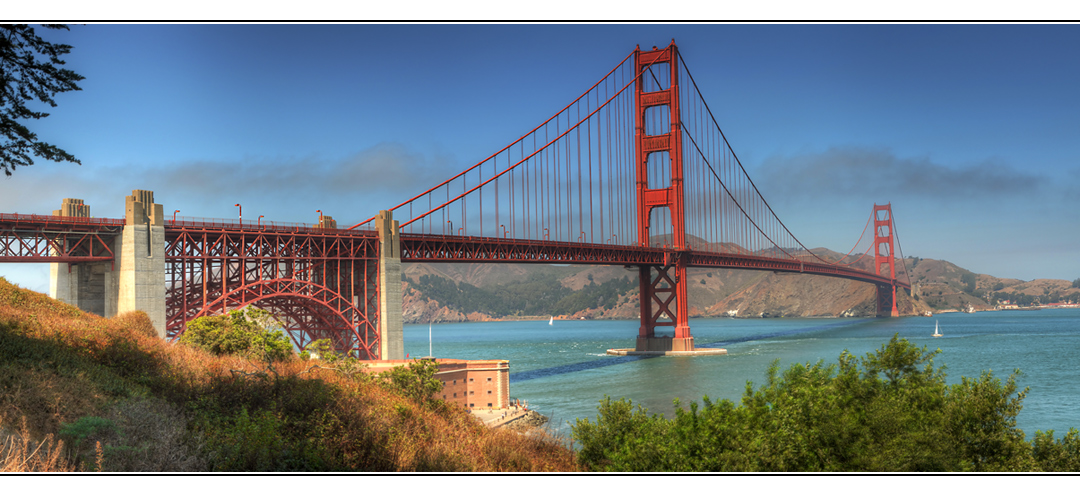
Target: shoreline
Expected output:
[530,318]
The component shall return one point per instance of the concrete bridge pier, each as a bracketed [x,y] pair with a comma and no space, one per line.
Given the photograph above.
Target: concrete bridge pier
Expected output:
[141,250]
[134,280]
[391,328]
[85,285]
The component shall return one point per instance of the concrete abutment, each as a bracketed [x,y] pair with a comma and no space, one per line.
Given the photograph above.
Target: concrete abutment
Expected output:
[134,280]
[391,326]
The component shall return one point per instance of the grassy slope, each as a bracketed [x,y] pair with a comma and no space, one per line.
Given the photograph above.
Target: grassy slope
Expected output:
[59,365]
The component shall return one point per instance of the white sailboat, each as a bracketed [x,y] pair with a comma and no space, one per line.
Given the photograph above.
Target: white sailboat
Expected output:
[551,321]
[937,333]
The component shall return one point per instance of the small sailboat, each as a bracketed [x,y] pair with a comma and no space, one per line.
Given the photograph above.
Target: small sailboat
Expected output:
[551,321]
[937,333]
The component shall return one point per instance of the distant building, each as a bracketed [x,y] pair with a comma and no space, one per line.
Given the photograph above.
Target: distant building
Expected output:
[472,384]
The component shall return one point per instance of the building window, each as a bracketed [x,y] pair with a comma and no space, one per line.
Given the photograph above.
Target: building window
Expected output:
[489,405]
[489,379]
[472,405]
[470,379]
[455,382]
[455,395]
[489,392]
[472,392]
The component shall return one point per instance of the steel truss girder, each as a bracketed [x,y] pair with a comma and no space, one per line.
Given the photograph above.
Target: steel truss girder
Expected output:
[438,248]
[751,262]
[57,239]
[323,282]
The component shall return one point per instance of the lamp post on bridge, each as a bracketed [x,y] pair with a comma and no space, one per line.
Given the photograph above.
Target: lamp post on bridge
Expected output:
[260,221]
[451,226]
[241,213]
[174,215]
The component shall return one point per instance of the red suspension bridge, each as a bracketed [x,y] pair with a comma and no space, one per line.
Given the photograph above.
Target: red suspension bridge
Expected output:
[634,172]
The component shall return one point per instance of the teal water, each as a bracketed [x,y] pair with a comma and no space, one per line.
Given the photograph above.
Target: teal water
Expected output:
[563,370]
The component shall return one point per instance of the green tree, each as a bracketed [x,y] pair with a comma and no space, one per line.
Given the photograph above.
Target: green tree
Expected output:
[1061,455]
[253,333]
[29,71]
[415,380]
[968,280]
[888,411]
[624,438]
[1076,283]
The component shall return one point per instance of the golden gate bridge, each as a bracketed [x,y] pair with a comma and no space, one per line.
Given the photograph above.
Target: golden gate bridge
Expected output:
[634,172]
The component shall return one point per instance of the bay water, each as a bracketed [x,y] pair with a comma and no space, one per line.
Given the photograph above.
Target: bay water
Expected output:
[563,371]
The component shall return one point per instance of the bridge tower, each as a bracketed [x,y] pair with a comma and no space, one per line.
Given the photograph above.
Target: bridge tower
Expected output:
[884,261]
[663,297]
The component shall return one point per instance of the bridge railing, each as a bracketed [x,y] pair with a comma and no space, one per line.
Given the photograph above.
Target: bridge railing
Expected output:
[60,219]
[249,225]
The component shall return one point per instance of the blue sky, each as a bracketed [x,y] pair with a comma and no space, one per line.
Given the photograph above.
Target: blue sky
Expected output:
[972,132]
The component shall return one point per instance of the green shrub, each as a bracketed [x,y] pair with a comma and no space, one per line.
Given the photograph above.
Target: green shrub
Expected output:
[415,380]
[888,411]
[321,349]
[239,333]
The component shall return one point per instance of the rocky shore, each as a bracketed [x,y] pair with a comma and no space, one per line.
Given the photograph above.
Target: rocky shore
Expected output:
[531,420]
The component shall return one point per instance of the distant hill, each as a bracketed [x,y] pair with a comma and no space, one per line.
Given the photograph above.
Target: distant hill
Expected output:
[477,292]
[943,285]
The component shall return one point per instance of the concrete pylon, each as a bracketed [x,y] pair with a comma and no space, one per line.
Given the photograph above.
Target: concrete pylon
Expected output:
[141,253]
[391,329]
[134,280]
[86,285]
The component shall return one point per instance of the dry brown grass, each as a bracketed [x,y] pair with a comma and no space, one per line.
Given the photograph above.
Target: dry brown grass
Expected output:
[63,365]
[19,453]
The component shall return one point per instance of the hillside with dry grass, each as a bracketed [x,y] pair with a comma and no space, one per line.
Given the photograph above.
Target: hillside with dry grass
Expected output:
[80,392]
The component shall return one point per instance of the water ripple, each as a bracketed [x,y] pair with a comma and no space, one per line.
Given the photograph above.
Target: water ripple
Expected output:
[618,360]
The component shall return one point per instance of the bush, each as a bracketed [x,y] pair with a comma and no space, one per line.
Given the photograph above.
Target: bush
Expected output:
[415,380]
[239,333]
[888,411]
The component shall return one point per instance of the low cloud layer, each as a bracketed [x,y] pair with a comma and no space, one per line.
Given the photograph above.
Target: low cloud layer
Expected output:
[370,179]
[384,168]
[864,172]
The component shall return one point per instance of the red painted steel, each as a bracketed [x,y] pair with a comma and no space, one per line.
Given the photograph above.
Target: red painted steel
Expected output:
[323,280]
[671,197]
[52,238]
[884,260]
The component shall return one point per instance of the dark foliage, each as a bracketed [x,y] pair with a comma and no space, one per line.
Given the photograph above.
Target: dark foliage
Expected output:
[30,70]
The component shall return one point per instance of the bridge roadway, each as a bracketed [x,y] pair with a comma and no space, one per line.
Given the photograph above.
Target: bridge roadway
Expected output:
[326,280]
[35,239]
[470,249]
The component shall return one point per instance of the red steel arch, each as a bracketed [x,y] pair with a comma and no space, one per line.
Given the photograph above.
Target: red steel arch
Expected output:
[322,280]
[313,312]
